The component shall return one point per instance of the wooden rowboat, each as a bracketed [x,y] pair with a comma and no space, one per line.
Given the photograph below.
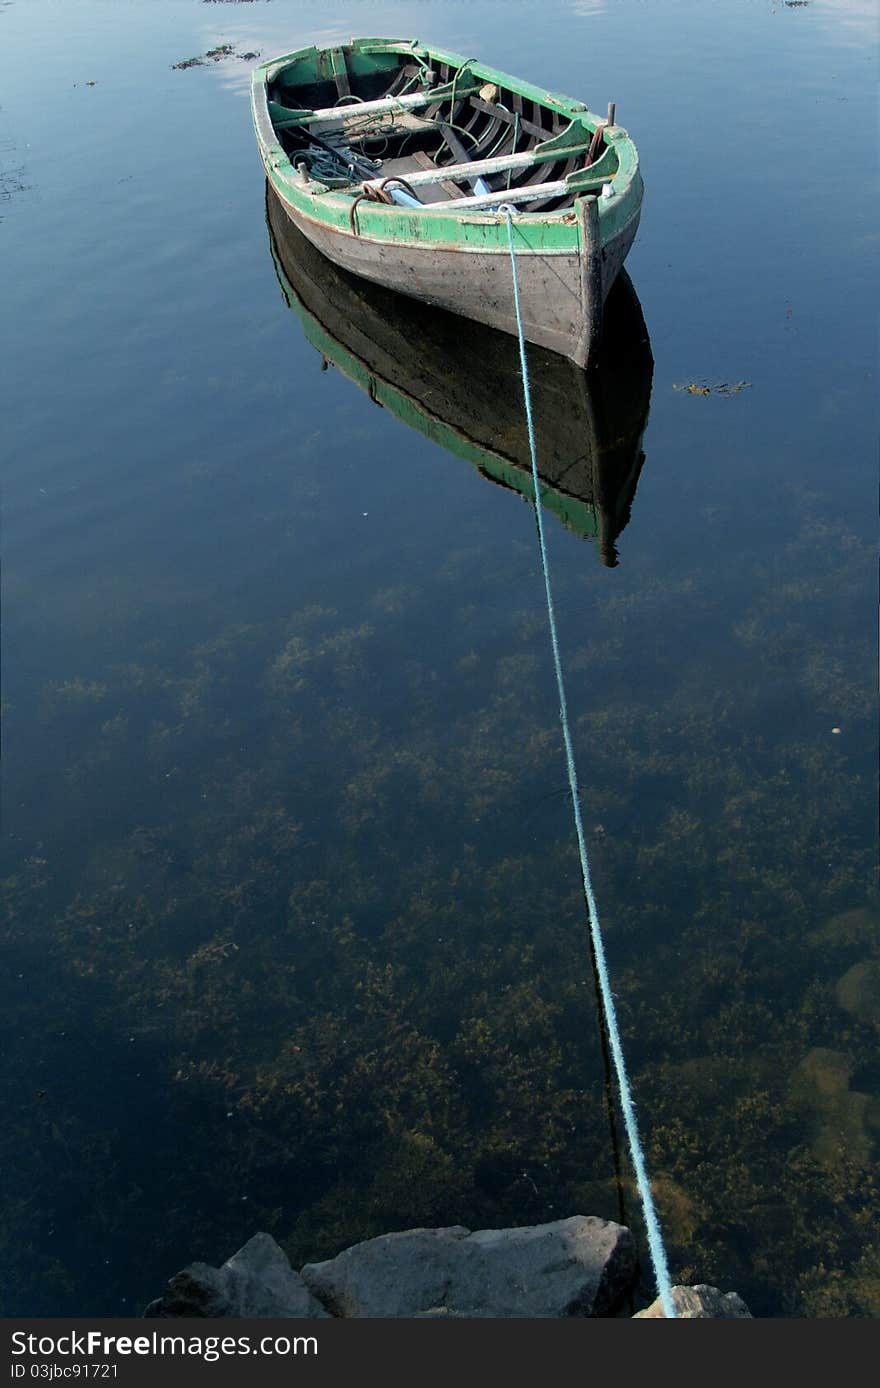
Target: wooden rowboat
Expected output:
[397,162]
[462,390]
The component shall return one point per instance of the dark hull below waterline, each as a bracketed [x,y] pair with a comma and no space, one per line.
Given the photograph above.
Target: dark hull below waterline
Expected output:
[458,383]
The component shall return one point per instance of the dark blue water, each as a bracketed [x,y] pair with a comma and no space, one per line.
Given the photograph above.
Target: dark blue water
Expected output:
[294,936]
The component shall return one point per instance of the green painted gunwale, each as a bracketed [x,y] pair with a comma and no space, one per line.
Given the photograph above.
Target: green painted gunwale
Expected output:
[473,231]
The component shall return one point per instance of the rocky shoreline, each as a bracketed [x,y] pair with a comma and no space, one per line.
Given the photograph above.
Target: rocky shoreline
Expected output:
[580,1266]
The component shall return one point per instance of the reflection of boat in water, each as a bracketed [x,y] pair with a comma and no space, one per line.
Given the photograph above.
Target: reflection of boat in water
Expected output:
[458,383]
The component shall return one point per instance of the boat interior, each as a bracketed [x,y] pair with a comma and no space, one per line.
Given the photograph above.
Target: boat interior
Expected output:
[403,126]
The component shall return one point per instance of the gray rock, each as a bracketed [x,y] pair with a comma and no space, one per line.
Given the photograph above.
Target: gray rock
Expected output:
[256,1281]
[573,1267]
[700,1303]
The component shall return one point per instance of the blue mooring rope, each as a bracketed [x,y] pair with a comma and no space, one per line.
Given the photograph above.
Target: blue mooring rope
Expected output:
[652,1224]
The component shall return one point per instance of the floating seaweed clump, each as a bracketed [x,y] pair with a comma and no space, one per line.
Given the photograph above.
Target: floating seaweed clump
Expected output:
[219,54]
[721,388]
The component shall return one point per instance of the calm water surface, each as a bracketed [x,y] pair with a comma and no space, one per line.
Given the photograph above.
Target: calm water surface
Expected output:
[294,937]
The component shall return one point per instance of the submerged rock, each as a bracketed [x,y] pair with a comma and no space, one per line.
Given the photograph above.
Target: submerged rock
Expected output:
[579,1266]
[822,1072]
[256,1281]
[840,1121]
[848,929]
[858,992]
[699,1303]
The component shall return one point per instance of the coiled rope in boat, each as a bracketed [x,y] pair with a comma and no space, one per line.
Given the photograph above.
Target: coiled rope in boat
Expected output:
[652,1224]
